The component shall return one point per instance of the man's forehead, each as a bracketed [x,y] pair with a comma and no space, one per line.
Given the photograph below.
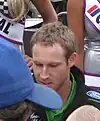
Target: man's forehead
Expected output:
[54,49]
[53,54]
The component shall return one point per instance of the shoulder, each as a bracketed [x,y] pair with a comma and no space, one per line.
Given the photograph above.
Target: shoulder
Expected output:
[75,3]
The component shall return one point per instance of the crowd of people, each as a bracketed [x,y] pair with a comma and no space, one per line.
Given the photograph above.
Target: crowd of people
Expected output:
[64,82]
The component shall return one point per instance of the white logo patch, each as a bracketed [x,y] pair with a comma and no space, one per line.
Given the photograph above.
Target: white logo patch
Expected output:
[34,117]
[93,94]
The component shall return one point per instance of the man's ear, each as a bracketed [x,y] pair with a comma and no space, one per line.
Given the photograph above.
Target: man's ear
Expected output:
[72,59]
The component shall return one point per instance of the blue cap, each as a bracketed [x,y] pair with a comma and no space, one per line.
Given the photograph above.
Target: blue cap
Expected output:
[16,82]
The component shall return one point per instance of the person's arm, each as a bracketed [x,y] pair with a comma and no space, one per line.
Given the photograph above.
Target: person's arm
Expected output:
[46,10]
[76,23]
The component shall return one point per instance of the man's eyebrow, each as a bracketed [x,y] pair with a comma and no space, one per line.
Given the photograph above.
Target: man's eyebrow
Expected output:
[54,62]
[36,61]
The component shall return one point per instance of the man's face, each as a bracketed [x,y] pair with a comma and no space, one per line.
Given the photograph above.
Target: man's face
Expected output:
[50,66]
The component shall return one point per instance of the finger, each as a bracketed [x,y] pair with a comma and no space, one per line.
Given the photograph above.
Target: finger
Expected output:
[30,63]
[31,68]
[27,58]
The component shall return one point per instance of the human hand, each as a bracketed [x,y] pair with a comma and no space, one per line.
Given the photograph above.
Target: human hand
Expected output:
[29,62]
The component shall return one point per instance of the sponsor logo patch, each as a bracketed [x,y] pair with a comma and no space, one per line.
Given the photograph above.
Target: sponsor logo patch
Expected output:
[34,117]
[94,94]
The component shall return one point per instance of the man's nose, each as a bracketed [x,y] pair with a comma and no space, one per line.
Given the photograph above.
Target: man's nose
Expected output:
[44,73]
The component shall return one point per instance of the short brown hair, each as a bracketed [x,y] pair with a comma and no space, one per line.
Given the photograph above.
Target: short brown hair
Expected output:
[55,32]
[17,112]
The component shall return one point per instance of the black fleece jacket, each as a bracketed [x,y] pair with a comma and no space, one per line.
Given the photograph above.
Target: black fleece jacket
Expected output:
[84,95]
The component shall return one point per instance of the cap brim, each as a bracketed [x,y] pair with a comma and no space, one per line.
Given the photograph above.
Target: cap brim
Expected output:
[45,96]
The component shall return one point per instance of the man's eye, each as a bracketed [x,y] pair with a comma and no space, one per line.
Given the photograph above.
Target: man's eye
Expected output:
[53,65]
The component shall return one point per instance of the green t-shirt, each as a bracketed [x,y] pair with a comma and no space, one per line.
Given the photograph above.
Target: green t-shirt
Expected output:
[56,115]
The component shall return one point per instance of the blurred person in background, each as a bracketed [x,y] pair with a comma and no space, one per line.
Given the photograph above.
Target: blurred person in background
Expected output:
[85,113]
[84,20]
[12,19]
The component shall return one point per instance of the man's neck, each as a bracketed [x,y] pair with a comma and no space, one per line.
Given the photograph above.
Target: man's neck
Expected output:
[64,91]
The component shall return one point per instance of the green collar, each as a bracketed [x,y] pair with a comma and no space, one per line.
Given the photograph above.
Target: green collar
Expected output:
[56,115]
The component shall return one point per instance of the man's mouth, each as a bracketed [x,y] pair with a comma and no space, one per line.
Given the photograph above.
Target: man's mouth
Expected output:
[46,83]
